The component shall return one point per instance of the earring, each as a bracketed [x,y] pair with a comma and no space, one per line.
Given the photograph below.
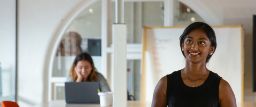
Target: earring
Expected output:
[211,53]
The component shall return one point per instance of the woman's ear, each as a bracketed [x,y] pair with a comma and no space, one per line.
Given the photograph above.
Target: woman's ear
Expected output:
[182,47]
[212,50]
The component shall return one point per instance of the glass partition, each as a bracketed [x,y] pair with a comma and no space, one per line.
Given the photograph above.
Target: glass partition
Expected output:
[133,79]
[140,14]
[186,15]
[84,34]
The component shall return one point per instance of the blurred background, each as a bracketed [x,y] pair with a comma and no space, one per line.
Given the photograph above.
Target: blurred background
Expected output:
[40,38]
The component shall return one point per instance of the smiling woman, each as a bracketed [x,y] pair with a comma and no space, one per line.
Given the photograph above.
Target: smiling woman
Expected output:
[195,85]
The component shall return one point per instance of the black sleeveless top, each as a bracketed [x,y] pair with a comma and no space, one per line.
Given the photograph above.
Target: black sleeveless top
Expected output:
[181,95]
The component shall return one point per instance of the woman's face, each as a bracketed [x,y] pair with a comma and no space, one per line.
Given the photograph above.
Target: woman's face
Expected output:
[84,68]
[197,46]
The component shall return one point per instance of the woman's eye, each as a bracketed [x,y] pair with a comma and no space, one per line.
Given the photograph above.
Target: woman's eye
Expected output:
[81,67]
[188,42]
[202,43]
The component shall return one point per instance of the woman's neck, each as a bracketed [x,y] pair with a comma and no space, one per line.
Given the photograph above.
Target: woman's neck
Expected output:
[199,68]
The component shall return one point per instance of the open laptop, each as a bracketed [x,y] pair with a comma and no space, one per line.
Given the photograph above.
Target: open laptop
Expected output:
[82,92]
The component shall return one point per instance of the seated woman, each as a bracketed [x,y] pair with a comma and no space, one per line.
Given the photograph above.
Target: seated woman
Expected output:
[83,69]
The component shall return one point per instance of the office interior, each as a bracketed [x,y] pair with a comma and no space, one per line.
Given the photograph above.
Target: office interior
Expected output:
[33,69]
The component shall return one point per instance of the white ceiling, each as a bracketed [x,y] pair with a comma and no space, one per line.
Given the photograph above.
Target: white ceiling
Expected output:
[225,12]
[232,8]
[221,12]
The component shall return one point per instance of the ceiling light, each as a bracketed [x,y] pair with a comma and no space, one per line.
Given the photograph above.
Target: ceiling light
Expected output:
[90,10]
[192,19]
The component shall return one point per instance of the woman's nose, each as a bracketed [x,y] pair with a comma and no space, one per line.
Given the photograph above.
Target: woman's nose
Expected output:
[194,46]
[83,70]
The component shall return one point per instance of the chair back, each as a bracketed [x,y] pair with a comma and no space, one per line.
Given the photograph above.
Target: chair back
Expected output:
[9,104]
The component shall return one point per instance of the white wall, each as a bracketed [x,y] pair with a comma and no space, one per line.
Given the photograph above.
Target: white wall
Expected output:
[7,30]
[38,20]
[7,47]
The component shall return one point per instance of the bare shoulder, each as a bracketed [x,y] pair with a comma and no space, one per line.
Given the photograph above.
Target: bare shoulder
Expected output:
[159,97]
[226,94]
[162,83]
[161,87]
[225,87]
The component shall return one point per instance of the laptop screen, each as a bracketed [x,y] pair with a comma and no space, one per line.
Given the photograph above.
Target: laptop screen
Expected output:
[82,92]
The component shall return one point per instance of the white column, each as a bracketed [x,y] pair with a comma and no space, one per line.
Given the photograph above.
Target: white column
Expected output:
[169,12]
[119,65]
[119,11]
[106,32]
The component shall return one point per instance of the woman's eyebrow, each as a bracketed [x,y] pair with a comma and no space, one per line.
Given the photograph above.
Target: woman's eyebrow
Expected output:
[188,37]
[203,38]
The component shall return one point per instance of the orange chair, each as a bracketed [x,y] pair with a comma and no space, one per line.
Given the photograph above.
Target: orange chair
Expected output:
[9,104]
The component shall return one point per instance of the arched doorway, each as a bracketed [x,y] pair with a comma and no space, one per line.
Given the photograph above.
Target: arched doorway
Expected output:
[54,45]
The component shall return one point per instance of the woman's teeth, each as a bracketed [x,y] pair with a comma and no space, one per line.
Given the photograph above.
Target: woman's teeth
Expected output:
[193,53]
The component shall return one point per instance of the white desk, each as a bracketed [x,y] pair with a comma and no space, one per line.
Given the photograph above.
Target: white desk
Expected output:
[62,103]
